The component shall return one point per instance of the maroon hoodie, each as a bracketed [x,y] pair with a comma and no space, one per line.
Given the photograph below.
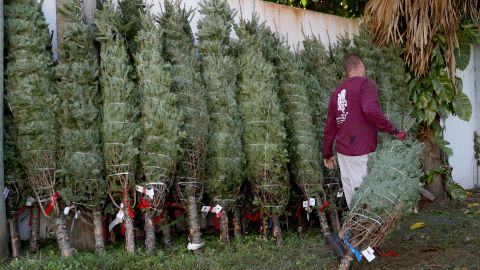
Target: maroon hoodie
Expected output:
[354,118]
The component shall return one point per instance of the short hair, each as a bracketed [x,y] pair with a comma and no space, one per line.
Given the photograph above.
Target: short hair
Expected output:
[350,62]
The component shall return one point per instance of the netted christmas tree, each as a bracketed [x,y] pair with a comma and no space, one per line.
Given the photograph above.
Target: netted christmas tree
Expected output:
[305,158]
[80,153]
[391,187]
[120,127]
[161,121]
[264,135]
[225,156]
[187,84]
[31,97]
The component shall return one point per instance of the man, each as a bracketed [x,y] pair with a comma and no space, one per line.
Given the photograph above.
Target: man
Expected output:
[353,120]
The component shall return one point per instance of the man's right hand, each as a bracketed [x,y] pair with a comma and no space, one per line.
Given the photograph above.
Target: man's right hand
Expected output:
[401,135]
[330,163]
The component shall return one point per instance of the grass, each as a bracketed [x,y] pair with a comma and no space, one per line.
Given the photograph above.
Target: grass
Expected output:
[450,240]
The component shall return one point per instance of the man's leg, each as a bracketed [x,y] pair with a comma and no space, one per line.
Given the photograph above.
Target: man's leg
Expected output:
[352,171]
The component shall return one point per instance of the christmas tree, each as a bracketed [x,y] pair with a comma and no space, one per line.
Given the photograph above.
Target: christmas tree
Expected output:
[187,84]
[305,157]
[225,156]
[264,135]
[161,121]
[120,128]
[32,99]
[80,156]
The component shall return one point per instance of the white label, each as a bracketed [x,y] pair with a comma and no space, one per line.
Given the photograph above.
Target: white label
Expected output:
[6,191]
[340,194]
[205,209]
[311,202]
[368,254]
[30,201]
[217,209]
[150,192]
[194,246]
[120,215]
[305,204]
[77,214]
[308,216]
[66,210]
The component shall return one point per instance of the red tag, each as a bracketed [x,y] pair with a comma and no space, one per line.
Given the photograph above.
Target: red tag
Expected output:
[49,208]
[123,229]
[254,217]
[143,203]
[216,223]
[385,254]
[157,219]
[325,205]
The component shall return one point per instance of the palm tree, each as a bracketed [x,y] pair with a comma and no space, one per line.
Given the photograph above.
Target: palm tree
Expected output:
[435,36]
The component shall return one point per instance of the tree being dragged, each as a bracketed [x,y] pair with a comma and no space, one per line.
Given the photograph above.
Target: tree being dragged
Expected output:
[80,156]
[120,127]
[225,156]
[31,97]
[187,84]
[161,121]
[264,135]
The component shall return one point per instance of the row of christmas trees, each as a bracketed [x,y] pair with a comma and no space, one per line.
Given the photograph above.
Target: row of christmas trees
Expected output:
[155,114]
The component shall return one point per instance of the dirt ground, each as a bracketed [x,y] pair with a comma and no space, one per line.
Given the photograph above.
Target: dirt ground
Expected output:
[449,240]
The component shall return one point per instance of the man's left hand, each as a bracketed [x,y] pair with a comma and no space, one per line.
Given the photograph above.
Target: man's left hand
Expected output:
[330,163]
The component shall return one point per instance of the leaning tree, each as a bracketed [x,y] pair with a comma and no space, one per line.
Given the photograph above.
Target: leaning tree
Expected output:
[32,100]
[225,156]
[120,128]
[160,122]
[264,135]
[187,84]
[80,153]
[436,36]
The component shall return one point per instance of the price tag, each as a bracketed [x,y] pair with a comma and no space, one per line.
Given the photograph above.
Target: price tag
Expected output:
[66,210]
[368,254]
[311,202]
[30,201]
[217,209]
[77,214]
[6,191]
[339,194]
[305,204]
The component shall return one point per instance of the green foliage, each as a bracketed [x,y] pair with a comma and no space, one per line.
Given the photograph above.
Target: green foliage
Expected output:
[120,128]
[160,120]
[344,8]
[476,146]
[264,135]
[225,156]
[30,93]
[132,12]
[187,84]
[392,180]
[80,157]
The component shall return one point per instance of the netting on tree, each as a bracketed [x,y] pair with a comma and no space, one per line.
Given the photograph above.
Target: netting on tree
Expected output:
[225,156]
[31,97]
[80,157]
[264,134]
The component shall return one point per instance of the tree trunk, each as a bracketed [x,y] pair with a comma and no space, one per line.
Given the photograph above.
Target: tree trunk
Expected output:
[129,232]
[433,159]
[237,227]
[244,224]
[150,241]
[167,234]
[224,235]
[323,223]
[14,236]
[62,237]
[98,231]
[277,231]
[34,228]
[194,232]
[346,262]
[264,228]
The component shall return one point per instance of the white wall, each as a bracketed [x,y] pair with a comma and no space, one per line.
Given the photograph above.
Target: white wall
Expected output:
[49,9]
[460,133]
